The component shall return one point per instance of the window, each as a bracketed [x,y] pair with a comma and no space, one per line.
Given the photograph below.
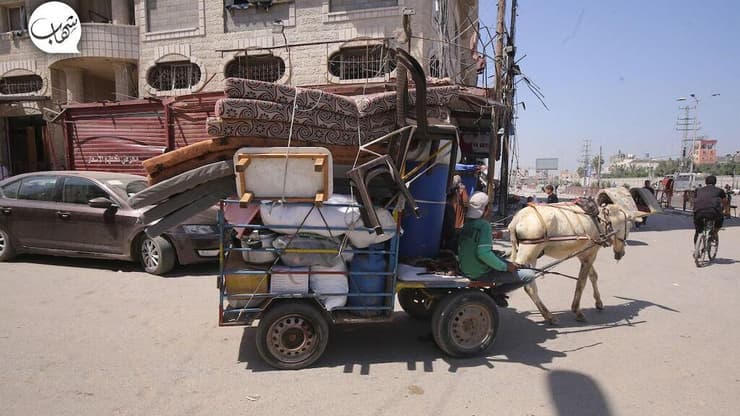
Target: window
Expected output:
[435,67]
[126,187]
[16,18]
[11,190]
[38,188]
[81,191]
[261,68]
[352,5]
[173,75]
[167,15]
[21,84]
[361,62]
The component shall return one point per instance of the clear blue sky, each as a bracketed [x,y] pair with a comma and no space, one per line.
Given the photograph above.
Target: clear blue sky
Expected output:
[611,72]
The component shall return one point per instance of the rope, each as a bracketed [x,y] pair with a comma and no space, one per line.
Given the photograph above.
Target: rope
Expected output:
[290,136]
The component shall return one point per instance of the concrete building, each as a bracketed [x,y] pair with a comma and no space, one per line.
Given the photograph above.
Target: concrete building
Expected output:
[705,151]
[34,85]
[161,48]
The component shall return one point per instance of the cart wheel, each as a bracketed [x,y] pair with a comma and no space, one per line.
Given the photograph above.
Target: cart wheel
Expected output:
[417,304]
[465,323]
[292,335]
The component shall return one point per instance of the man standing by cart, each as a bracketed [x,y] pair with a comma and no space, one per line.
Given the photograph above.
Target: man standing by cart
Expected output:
[477,259]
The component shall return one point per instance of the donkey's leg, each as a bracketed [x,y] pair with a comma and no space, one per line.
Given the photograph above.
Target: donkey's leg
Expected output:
[586,263]
[531,290]
[527,255]
[597,295]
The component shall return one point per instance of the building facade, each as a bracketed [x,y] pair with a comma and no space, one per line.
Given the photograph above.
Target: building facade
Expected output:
[35,85]
[705,152]
[162,48]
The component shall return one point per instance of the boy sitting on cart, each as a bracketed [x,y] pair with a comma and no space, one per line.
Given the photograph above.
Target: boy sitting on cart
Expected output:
[477,259]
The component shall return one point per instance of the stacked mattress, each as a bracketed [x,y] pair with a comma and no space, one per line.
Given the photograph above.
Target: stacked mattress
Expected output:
[258,114]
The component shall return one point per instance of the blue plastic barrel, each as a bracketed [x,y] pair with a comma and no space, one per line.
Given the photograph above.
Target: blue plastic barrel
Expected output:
[359,282]
[468,175]
[421,236]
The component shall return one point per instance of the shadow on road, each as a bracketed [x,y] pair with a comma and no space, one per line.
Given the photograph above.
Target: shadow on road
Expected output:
[634,243]
[356,348]
[202,269]
[720,260]
[575,394]
[521,338]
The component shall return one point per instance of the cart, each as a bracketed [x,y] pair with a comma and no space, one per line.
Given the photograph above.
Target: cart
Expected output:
[293,327]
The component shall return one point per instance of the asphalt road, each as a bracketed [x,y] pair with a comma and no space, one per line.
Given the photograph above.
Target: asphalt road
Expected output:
[81,337]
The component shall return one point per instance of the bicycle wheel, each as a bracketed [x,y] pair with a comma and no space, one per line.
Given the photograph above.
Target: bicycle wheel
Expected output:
[699,249]
[712,247]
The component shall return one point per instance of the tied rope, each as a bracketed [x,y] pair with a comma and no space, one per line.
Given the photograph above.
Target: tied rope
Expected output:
[290,136]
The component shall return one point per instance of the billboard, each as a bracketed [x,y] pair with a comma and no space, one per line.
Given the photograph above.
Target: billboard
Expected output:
[546,164]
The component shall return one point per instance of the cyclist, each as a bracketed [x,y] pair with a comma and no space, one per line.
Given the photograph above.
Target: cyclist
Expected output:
[708,205]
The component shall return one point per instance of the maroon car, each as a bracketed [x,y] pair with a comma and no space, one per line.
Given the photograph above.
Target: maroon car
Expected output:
[86,214]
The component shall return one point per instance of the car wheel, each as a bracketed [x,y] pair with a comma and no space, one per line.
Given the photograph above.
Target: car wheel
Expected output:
[157,255]
[292,335]
[7,252]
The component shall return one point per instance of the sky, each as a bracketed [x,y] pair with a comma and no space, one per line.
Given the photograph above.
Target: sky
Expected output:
[611,72]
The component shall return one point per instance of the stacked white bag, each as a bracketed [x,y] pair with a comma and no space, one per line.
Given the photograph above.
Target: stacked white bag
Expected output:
[340,213]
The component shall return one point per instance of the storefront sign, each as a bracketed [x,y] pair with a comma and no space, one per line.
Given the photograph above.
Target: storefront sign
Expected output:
[54,27]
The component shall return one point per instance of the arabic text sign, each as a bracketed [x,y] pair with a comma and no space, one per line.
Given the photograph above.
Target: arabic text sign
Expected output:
[54,27]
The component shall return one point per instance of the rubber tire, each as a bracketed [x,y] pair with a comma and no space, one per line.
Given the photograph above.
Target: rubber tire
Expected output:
[167,257]
[7,252]
[446,311]
[285,309]
[699,250]
[410,303]
[713,248]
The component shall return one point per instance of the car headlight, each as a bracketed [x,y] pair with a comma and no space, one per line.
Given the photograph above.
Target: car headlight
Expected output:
[200,229]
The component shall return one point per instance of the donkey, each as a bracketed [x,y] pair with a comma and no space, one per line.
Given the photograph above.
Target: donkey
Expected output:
[559,231]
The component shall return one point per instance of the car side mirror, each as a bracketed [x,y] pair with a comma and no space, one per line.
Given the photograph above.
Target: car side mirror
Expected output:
[101,202]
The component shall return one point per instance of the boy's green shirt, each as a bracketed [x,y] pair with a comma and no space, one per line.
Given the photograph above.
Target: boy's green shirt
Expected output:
[475,251]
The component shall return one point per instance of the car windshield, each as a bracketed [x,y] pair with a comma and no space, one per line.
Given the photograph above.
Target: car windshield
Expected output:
[126,186]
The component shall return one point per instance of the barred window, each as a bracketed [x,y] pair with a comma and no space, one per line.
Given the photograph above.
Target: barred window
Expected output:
[23,84]
[361,62]
[266,68]
[435,67]
[174,75]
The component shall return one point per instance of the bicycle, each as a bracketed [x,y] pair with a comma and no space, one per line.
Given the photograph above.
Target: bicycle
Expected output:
[705,248]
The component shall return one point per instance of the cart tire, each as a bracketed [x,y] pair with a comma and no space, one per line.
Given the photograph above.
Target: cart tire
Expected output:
[292,335]
[416,304]
[465,323]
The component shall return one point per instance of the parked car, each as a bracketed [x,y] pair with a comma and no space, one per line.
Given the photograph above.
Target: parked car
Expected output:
[86,214]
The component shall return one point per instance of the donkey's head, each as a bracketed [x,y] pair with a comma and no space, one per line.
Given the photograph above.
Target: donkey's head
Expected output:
[618,223]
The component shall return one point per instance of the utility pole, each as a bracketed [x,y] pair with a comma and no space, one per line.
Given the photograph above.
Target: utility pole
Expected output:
[598,170]
[494,144]
[508,101]
[586,160]
[685,124]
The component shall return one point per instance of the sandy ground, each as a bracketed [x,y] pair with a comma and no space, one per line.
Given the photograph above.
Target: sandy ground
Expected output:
[80,337]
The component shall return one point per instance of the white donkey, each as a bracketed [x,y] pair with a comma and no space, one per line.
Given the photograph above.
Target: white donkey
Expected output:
[559,231]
